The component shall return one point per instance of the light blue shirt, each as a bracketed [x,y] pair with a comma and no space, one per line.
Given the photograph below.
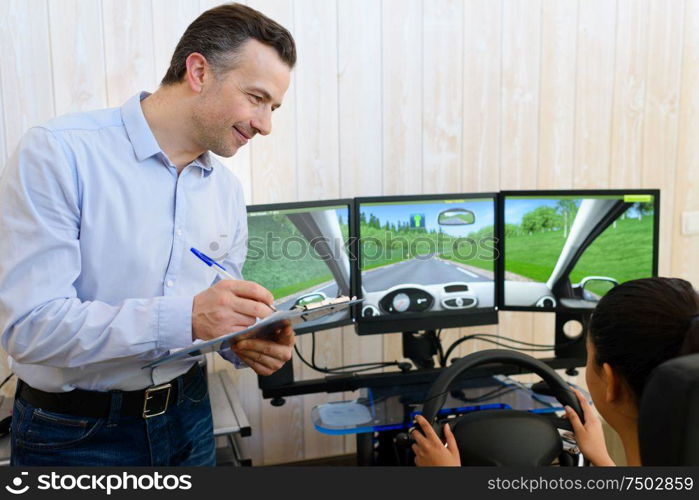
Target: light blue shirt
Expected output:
[96,276]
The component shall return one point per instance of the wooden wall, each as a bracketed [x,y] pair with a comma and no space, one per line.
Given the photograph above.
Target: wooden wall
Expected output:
[404,97]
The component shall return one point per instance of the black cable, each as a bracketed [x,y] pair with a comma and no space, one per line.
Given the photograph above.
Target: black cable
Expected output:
[495,393]
[6,379]
[499,339]
[337,370]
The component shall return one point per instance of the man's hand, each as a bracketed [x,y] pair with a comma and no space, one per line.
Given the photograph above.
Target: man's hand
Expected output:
[429,449]
[589,436]
[266,356]
[228,307]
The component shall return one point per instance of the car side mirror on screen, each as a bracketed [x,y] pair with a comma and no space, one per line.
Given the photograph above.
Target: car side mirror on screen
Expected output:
[594,288]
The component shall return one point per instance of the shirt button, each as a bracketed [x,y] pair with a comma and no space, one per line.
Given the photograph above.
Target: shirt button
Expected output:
[170,283]
[179,232]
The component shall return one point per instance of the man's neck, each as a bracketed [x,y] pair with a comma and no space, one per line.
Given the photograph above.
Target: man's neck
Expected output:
[167,119]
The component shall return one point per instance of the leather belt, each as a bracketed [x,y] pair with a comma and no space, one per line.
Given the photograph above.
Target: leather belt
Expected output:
[149,402]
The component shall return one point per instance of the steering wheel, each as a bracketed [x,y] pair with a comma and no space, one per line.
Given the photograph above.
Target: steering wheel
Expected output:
[503,437]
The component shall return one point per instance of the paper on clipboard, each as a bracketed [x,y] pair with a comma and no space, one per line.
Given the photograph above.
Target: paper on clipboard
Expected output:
[263,327]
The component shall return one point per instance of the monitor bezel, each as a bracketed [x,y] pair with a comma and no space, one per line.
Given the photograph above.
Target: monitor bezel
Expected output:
[349,202]
[564,192]
[418,321]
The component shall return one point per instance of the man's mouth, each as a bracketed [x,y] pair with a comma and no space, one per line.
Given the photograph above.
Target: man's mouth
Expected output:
[244,138]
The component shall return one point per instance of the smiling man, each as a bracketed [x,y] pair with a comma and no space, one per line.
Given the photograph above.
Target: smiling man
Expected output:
[98,212]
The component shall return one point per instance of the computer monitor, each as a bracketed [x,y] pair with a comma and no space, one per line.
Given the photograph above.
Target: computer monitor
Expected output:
[299,252]
[563,250]
[424,262]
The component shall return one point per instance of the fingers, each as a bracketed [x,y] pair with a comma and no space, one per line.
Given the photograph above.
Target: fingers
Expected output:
[427,429]
[256,348]
[451,440]
[574,420]
[260,363]
[248,307]
[249,290]
[286,335]
[587,410]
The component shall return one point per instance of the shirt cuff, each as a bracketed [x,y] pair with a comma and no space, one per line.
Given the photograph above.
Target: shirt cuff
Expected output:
[174,322]
[229,355]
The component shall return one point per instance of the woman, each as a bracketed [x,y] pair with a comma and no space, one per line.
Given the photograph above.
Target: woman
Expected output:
[637,326]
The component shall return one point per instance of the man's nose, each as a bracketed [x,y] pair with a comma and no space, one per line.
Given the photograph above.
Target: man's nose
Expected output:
[263,122]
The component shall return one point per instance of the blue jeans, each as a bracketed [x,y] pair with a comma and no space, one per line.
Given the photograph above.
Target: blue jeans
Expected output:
[182,436]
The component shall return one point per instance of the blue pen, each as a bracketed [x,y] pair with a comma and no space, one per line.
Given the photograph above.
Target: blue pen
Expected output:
[221,270]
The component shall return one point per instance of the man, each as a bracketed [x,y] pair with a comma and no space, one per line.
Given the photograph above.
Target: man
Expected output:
[98,212]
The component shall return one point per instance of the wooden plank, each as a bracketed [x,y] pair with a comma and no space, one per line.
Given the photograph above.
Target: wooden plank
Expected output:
[27,82]
[402,96]
[520,94]
[631,65]
[686,248]
[557,108]
[442,95]
[594,88]
[77,46]
[316,93]
[274,173]
[128,49]
[660,132]
[359,98]
[482,51]
[170,19]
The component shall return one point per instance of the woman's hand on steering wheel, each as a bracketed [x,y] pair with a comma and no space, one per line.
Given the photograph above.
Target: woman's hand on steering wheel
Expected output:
[429,449]
[589,436]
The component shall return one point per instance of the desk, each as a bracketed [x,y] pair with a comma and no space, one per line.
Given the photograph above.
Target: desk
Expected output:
[230,422]
[379,414]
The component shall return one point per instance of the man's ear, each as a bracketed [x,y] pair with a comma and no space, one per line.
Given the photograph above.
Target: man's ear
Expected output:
[612,382]
[197,66]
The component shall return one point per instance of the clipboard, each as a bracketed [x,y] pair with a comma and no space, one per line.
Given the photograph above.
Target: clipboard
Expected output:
[264,327]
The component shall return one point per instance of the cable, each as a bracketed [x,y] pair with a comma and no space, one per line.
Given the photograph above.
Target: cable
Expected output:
[340,370]
[500,391]
[499,341]
[6,379]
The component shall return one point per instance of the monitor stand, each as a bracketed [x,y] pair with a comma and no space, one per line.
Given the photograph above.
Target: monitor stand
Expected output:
[571,328]
[420,347]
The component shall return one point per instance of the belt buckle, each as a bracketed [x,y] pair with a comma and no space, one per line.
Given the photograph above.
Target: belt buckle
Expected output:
[149,397]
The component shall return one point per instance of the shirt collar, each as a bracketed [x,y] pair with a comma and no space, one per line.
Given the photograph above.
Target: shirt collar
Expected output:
[142,139]
[140,134]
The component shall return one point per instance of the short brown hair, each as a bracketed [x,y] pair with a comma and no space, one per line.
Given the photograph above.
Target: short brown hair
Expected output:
[218,35]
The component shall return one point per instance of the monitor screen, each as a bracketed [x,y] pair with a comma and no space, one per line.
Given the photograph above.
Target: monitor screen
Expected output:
[565,250]
[425,262]
[299,252]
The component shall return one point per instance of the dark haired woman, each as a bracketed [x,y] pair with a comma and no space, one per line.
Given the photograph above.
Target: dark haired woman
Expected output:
[637,326]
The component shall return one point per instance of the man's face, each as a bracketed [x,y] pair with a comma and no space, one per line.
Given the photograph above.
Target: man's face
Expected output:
[233,108]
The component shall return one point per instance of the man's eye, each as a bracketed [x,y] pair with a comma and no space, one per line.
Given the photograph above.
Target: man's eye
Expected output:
[256,98]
